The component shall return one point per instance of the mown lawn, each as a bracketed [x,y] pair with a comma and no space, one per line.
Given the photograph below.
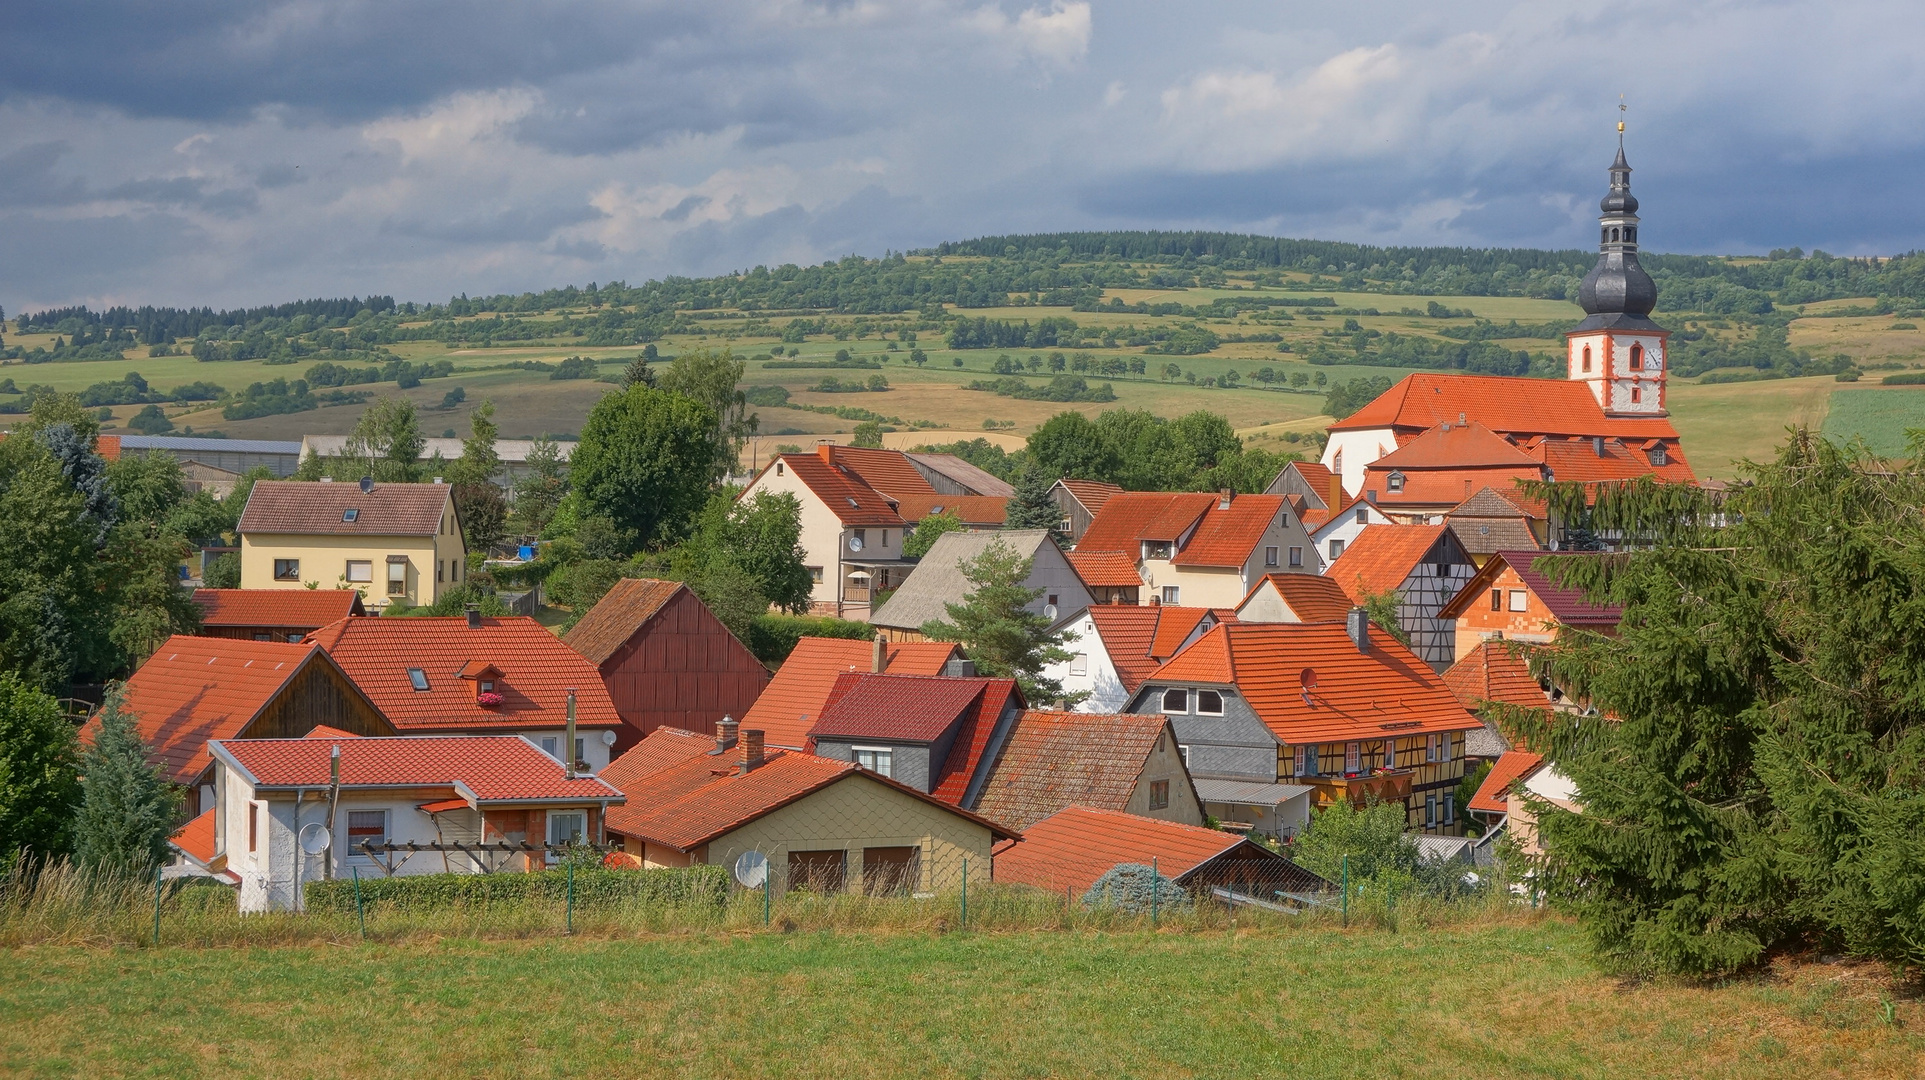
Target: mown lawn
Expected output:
[1507,1000]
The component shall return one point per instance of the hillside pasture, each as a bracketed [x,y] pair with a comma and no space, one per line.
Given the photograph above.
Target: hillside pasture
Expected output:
[1880,416]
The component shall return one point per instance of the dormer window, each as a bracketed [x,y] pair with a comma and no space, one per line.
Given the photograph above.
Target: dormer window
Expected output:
[1156,549]
[350,514]
[1395,481]
[487,686]
[1658,456]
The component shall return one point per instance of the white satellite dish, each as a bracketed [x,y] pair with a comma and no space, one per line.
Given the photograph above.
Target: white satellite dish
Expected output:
[751,869]
[855,543]
[608,737]
[315,838]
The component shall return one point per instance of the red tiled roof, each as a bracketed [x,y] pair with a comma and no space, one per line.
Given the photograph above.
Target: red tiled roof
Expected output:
[1568,606]
[1227,535]
[1455,446]
[1131,517]
[1513,765]
[1139,639]
[852,500]
[289,608]
[618,615]
[1051,760]
[969,509]
[293,506]
[1072,848]
[686,805]
[194,689]
[793,700]
[658,750]
[1316,476]
[1105,569]
[912,708]
[1381,557]
[196,838]
[537,671]
[322,731]
[888,471]
[1358,695]
[1577,460]
[1091,493]
[486,768]
[1507,405]
[1491,672]
[1313,597]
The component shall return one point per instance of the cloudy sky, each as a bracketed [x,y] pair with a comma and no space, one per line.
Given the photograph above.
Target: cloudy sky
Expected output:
[231,152]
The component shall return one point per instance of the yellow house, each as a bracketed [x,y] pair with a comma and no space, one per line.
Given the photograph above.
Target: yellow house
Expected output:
[387,541]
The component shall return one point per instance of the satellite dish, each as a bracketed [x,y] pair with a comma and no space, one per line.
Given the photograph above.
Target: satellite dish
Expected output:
[1309,678]
[367,484]
[608,737]
[315,838]
[855,543]
[751,869]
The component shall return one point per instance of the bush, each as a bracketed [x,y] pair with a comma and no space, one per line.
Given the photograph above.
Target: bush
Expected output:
[1909,378]
[772,637]
[707,885]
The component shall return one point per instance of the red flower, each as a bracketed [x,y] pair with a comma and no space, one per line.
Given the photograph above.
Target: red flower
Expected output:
[488,699]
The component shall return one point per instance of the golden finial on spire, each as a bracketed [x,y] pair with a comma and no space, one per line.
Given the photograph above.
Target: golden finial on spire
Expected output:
[1621,108]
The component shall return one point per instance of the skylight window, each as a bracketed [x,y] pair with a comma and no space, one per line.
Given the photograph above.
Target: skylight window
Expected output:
[853,503]
[350,514]
[417,678]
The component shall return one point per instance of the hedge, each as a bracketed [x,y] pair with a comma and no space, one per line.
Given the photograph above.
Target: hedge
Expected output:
[593,886]
[772,637]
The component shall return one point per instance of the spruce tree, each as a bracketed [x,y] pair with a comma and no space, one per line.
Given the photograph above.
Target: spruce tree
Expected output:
[127,807]
[996,629]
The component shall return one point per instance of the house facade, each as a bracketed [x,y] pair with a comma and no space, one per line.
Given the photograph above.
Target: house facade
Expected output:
[1197,549]
[1425,566]
[1511,599]
[1333,534]
[1080,501]
[389,543]
[1116,647]
[937,580]
[665,659]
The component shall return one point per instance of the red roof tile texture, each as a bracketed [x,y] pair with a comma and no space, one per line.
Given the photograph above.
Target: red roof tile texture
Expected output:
[1568,606]
[1071,849]
[1510,767]
[537,671]
[194,689]
[969,509]
[493,768]
[1052,760]
[1456,446]
[1106,569]
[1228,535]
[1358,695]
[1506,405]
[1091,493]
[1312,597]
[286,608]
[888,471]
[1131,517]
[847,495]
[660,749]
[1138,639]
[793,700]
[1381,558]
[618,615]
[909,708]
[196,838]
[1491,672]
[292,506]
[1578,460]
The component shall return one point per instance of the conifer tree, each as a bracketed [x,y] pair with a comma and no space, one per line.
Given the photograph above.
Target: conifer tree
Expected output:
[127,808]
[1031,507]
[995,628]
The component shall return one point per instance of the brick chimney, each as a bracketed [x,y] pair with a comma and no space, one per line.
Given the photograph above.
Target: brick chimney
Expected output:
[878,654]
[751,759]
[725,734]
[1223,497]
[827,452]
[1358,626]
[473,611]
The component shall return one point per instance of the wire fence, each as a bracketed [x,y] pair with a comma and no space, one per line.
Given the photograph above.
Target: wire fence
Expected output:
[59,903]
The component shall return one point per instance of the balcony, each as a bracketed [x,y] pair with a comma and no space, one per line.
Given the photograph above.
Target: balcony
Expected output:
[1360,789]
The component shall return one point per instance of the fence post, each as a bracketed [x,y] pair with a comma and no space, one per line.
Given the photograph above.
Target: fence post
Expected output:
[571,897]
[768,893]
[965,895]
[157,895]
[1156,889]
[360,916]
[1390,909]
[1346,890]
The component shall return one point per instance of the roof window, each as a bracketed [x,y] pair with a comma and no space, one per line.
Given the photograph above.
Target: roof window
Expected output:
[350,514]
[852,502]
[417,678]
[1395,481]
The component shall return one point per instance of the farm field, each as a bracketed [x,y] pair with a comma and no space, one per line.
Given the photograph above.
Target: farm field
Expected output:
[1879,416]
[1511,999]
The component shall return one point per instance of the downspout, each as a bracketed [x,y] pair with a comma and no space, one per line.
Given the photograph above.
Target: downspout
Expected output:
[334,803]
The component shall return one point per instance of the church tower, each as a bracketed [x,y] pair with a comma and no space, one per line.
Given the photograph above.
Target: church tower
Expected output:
[1617,350]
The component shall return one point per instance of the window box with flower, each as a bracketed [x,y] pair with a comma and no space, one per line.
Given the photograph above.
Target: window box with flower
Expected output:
[488,699]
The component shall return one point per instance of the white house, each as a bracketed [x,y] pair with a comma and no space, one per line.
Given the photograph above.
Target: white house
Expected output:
[1117,646]
[1332,532]
[1197,549]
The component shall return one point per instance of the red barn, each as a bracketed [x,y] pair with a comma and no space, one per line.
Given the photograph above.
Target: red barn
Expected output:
[666,659]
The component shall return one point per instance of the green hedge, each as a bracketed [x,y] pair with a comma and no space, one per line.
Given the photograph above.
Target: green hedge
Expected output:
[595,886]
[1910,378]
[772,637]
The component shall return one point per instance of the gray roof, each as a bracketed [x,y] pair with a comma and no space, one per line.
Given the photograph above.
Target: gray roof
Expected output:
[1247,792]
[938,579]
[1485,741]
[1443,849]
[1490,535]
[962,472]
[232,446]
[510,451]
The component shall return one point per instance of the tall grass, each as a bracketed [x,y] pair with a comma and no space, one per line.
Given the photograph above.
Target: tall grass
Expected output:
[62,904]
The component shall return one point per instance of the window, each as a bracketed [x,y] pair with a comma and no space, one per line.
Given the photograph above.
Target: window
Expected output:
[397,578]
[1299,758]
[1497,599]
[417,678]
[1176,701]
[438,565]
[778,468]
[877,759]
[1172,594]
[1336,547]
[1390,753]
[1362,517]
[360,570]
[1519,601]
[1637,358]
[1353,757]
[1430,811]
[484,686]
[1079,664]
[1443,747]
[1156,549]
[1430,748]
[253,825]
[287,569]
[1283,520]
[1159,794]
[1587,358]
[1395,481]
[366,827]
[1209,703]
[350,515]
[551,747]
[819,871]
[1184,749]
[815,574]
[1637,394]
[1658,456]
[885,538]
[1271,557]
[568,828]
[857,538]
[1450,808]
[1296,556]
[891,871]
[1065,526]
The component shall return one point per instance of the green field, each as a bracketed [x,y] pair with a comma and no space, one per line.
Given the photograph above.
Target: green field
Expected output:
[1515,999]
[1880,417]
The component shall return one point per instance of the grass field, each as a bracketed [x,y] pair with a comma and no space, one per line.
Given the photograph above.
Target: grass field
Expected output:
[1514,999]
[1879,416]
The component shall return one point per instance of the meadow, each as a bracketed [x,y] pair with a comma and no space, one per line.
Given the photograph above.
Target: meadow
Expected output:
[1879,416]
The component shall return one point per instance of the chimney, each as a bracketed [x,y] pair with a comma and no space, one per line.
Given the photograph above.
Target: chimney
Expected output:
[473,611]
[878,654]
[1597,444]
[827,452]
[437,480]
[1336,492]
[1460,420]
[1358,625]
[964,669]
[751,752]
[725,734]
[1223,497]
[568,746]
